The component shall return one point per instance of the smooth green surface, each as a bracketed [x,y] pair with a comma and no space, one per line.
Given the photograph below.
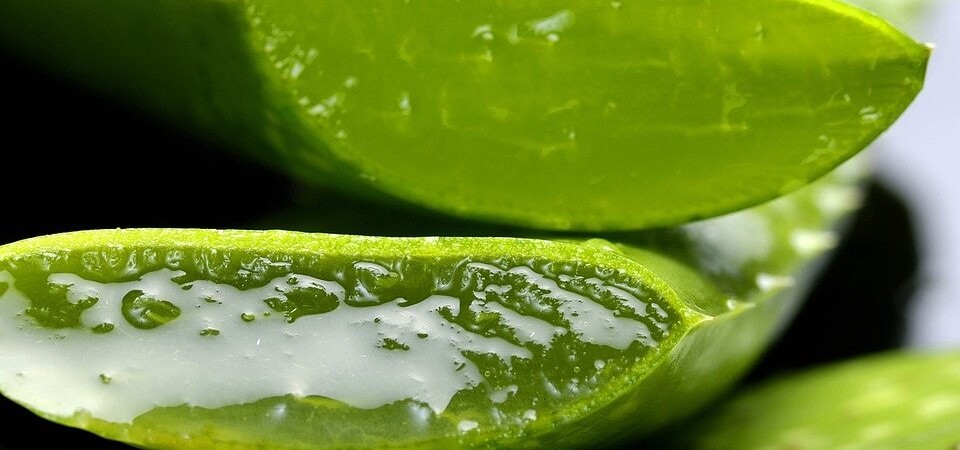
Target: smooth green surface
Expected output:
[899,401]
[556,114]
[725,287]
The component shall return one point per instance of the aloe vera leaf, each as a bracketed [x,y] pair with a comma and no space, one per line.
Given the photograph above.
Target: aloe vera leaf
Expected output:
[892,401]
[556,114]
[162,338]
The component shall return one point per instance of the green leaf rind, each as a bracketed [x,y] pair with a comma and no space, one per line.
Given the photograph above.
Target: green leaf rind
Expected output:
[586,115]
[883,402]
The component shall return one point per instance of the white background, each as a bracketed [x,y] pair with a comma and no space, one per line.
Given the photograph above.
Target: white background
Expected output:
[920,158]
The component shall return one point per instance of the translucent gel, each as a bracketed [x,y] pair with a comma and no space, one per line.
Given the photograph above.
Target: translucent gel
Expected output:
[212,345]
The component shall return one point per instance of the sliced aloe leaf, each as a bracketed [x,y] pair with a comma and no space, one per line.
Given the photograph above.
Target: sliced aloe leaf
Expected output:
[896,401]
[581,114]
[241,339]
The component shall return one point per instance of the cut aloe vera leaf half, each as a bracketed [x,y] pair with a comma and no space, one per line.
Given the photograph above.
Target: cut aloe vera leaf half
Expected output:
[582,114]
[898,401]
[242,339]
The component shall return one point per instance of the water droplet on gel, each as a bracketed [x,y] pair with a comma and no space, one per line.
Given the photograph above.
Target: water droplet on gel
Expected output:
[87,302]
[393,344]
[303,300]
[372,281]
[103,328]
[209,332]
[145,312]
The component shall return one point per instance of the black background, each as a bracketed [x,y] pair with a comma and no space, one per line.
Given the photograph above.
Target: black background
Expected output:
[74,160]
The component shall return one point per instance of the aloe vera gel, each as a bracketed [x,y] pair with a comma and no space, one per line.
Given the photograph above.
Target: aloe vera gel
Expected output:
[289,325]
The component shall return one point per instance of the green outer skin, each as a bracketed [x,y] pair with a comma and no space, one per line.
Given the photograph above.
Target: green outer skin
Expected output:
[644,114]
[898,401]
[700,269]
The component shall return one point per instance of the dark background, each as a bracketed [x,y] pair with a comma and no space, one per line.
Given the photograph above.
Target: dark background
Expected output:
[77,161]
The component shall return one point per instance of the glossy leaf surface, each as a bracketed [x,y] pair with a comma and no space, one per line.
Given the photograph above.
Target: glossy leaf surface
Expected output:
[582,115]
